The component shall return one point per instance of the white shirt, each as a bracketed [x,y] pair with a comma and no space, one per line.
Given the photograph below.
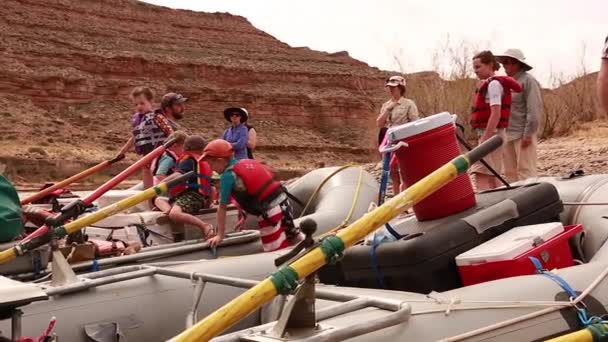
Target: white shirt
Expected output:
[494,93]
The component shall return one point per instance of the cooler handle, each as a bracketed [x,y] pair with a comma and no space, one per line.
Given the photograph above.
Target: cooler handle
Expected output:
[393,148]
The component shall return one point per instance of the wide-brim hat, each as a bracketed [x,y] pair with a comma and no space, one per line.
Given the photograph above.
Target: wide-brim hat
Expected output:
[395,81]
[516,54]
[242,111]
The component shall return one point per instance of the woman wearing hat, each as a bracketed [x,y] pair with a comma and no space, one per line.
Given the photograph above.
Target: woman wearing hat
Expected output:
[526,113]
[397,111]
[237,135]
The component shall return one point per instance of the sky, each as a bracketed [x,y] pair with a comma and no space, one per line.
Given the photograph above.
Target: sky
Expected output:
[560,38]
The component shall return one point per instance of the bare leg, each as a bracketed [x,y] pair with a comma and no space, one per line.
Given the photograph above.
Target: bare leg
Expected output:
[162,204]
[177,215]
[147,177]
[396,181]
[485,182]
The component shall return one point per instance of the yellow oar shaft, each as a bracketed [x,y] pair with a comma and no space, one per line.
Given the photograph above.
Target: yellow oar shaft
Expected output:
[115,208]
[257,296]
[10,254]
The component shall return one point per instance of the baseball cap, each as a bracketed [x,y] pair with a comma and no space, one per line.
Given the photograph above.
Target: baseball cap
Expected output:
[170,99]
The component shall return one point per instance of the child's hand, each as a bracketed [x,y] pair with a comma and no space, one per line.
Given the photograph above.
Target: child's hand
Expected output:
[208,231]
[215,241]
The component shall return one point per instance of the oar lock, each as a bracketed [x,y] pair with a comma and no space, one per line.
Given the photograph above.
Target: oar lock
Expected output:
[308,227]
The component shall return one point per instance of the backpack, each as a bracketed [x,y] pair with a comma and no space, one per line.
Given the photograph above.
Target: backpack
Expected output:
[148,135]
[11,224]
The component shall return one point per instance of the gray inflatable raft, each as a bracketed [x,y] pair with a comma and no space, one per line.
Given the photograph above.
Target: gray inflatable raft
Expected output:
[152,302]
[334,196]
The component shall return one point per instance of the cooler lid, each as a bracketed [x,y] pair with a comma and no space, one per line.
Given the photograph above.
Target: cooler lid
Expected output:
[419,126]
[510,244]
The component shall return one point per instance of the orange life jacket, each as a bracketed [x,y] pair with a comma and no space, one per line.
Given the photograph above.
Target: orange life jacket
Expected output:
[260,187]
[202,182]
[481,110]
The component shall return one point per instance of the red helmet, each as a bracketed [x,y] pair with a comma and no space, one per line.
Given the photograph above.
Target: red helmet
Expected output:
[218,148]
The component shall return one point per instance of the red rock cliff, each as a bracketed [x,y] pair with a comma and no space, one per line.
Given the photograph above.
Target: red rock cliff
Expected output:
[69,65]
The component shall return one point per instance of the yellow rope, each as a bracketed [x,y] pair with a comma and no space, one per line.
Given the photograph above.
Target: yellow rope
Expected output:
[318,189]
[352,207]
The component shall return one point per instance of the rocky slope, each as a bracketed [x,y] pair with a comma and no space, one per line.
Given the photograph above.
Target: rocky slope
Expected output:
[69,65]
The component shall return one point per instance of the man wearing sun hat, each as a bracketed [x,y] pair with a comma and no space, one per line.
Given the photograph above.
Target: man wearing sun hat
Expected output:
[526,113]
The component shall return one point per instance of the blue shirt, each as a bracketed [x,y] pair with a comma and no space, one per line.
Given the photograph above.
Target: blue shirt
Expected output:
[165,164]
[227,180]
[237,136]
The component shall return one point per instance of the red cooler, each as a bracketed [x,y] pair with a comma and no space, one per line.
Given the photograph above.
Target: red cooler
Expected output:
[431,144]
[507,255]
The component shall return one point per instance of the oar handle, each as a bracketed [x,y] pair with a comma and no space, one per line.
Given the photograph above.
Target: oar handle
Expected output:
[484,149]
[169,142]
[181,179]
[74,226]
[117,158]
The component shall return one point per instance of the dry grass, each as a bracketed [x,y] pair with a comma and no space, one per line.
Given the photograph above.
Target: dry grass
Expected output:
[591,130]
[569,105]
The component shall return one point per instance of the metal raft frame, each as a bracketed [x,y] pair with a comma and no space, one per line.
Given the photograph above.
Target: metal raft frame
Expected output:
[150,253]
[399,311]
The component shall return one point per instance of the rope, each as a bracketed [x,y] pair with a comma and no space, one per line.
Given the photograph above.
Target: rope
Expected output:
[285,280]
[352,207]
[375,266]
[355,200]
[333,248]
[598,331]
[584,203]
[572,303]
[316,192]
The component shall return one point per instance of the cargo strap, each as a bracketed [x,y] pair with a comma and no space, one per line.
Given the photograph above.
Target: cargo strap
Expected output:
[583,318]
[382,193]
[375,267]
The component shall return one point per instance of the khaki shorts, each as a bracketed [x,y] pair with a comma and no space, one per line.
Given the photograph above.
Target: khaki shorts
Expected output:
[494,159]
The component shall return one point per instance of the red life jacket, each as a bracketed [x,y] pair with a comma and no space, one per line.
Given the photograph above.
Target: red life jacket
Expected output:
[481,110]
[202,182]
[260,187]
[155,162]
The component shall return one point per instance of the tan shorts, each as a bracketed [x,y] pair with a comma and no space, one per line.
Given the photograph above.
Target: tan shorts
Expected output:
[494,159]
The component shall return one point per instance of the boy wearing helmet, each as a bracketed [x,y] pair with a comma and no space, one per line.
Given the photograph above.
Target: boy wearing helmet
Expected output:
[256,191]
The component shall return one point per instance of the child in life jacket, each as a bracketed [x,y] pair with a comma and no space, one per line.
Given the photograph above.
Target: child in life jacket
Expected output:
[188,199]
[164,166]
[490,114]
[256,191]
[149,127]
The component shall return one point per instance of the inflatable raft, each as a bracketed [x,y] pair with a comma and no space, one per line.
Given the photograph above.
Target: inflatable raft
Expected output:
[323,190]
[154,302]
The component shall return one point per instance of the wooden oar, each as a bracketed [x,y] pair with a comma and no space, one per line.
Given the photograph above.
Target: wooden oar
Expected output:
[286,279]
[75,178]
[78,206]
[88,220]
